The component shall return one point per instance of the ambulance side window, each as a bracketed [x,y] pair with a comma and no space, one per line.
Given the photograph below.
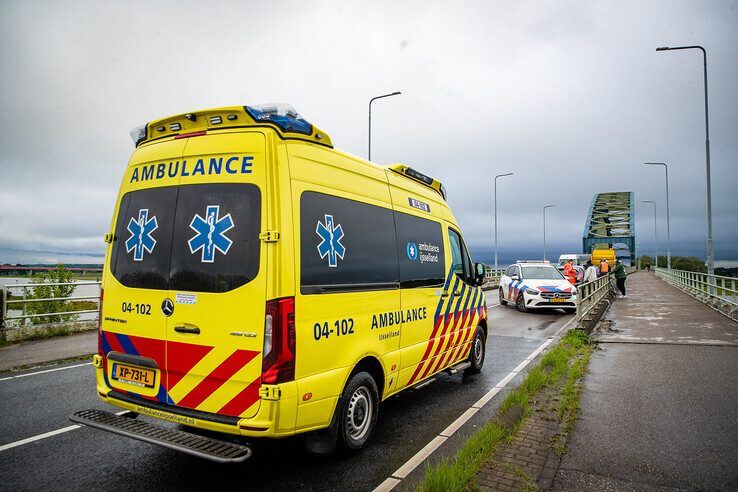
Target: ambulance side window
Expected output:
[346,245]
[421,252]
[457,264]
[461,263]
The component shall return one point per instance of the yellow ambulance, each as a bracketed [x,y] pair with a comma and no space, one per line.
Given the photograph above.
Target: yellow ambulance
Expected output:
[261,283]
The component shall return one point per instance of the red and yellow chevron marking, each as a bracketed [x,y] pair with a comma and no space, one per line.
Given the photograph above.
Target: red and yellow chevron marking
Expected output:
[228,386]
[451,345]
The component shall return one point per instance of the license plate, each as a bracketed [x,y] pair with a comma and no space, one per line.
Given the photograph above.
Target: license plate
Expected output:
[137,376]
[558,299]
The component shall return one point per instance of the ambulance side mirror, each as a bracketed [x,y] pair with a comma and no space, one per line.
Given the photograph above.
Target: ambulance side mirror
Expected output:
[480,272]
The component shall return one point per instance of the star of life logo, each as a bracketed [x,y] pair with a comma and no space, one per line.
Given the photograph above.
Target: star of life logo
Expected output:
[141,239]
[412,251]
[210,234]
[330,245]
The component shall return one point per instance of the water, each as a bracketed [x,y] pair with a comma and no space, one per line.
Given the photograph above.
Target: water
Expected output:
[92,290]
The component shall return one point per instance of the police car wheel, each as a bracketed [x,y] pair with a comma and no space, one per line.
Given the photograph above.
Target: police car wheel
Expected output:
[502,298]
[358,411]
[520,303]
[477,352]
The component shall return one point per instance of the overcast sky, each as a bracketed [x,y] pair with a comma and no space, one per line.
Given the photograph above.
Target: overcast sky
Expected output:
[571,96]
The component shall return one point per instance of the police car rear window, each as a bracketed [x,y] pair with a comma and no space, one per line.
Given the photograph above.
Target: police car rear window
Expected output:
[202,238]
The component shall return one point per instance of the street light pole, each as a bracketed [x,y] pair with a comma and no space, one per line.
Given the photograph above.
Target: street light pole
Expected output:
[710,253]
[544,230]
[498,176]
[397,93]
[668,228]
[655,231]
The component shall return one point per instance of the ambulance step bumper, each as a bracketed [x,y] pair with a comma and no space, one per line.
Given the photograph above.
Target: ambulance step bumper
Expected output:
[458,367]
[185,442]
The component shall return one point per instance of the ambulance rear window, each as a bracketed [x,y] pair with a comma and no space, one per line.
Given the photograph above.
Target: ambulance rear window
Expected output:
[201,238]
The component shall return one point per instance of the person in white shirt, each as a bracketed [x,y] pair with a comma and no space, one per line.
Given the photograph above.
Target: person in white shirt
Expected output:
[590,273]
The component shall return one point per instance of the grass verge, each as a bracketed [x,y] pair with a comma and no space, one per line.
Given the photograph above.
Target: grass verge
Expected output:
[567,359]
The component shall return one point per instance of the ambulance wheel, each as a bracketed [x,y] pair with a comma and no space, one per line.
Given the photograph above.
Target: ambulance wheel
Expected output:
[476,355]
[502,298]
[520,303]
[359,406]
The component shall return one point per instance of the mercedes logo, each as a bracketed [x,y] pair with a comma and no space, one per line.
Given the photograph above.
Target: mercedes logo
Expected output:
[167,307]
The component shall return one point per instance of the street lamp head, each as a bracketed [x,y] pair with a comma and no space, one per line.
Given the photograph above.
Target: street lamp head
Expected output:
[396,93]
[655,163]
[502,175]
[663,48]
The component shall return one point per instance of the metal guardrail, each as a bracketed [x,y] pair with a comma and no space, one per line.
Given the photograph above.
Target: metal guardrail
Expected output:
[590,294]
[697,284]
[8,303]
[492,276]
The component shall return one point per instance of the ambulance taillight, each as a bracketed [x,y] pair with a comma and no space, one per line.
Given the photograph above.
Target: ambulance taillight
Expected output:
[278,357]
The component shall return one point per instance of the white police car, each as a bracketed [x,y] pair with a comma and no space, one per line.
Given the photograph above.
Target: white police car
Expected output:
[537,284]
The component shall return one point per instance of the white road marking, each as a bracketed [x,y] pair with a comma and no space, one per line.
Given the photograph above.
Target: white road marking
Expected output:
[387,485]
[38,437]
[449,431]
[45,371]
[56,432]
[402,472]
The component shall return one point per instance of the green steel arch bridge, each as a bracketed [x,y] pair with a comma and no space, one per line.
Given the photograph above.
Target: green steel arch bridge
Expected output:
[611,221]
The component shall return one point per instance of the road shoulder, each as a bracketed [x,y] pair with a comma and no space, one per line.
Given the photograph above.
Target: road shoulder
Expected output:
[39,352]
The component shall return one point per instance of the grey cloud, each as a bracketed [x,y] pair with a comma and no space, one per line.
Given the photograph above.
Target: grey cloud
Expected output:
[571,96]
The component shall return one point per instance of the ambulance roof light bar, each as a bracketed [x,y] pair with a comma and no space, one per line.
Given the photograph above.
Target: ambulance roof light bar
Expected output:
[283,118]
[138,134]
[283,115]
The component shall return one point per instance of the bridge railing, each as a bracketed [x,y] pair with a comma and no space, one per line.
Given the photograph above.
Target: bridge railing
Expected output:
[590,294]
[703,286]
[16,298]
[492,276]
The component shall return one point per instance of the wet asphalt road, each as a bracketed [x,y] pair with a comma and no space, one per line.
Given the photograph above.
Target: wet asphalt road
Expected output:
[85,458]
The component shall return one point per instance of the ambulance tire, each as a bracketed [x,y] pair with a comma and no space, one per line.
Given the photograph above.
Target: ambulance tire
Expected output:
[502,298]
[477,352]
[520,303]
[359,407]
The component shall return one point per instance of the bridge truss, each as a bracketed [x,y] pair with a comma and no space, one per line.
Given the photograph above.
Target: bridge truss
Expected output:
[611,221]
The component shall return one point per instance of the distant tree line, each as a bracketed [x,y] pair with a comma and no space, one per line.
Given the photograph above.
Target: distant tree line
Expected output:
[687,263]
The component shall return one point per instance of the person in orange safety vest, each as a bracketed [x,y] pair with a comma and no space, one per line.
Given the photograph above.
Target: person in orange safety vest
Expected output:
[570,272]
